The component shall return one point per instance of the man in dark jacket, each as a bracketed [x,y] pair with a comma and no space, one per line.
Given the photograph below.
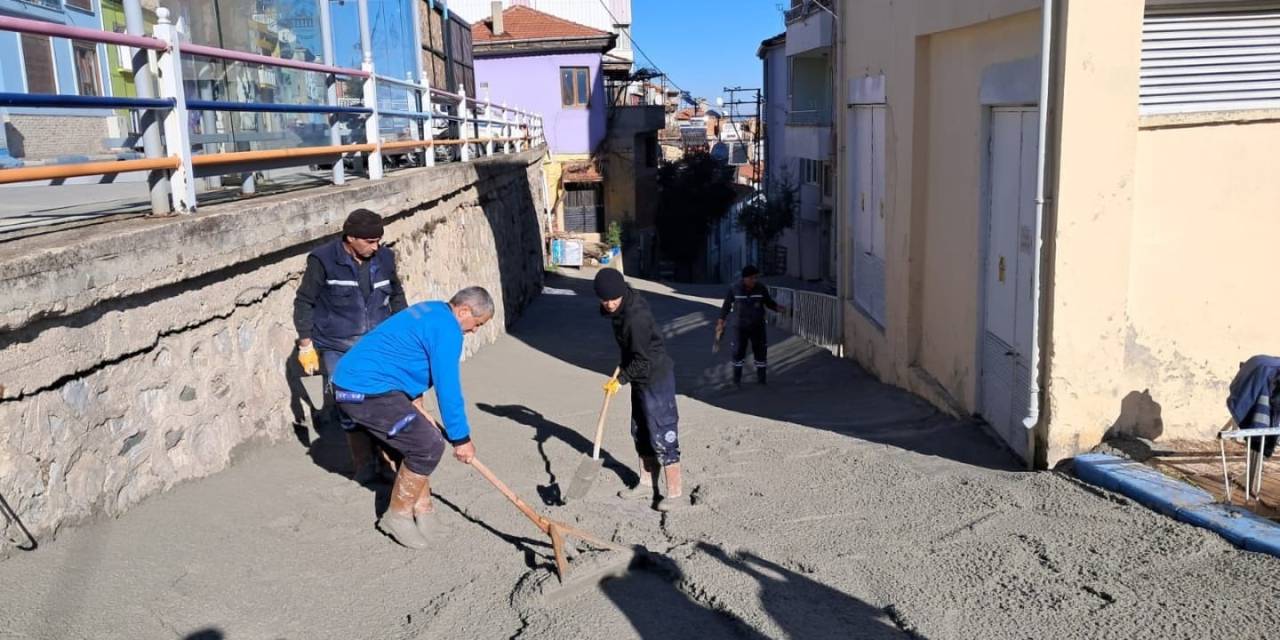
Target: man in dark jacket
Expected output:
[651,374]
[349,287]
[749,298]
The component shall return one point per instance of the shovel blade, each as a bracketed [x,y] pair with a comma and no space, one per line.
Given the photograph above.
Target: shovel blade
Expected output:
[583,478]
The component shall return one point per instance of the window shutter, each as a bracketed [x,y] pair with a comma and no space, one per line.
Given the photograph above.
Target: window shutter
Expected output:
[37,58]
[1210,60]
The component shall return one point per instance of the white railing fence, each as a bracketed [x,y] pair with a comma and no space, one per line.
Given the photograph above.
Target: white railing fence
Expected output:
[812,316]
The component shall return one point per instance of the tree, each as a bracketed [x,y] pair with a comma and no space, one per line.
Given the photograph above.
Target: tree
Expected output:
[694,193]
[766,217]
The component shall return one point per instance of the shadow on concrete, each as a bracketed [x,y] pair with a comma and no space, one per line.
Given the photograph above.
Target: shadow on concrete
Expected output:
[526,546]
[210,633]
[807,385]
[654,596]
[544,430]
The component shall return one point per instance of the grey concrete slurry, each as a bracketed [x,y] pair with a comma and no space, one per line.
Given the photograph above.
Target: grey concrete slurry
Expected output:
[826,506]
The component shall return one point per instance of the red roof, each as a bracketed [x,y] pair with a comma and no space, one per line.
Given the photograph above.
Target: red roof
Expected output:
[523,23]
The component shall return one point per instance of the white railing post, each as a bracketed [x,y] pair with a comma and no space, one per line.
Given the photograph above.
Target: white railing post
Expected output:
[177,135]
[371,125]
[519,130]
[464,125]
[339,174]
[429,124]
[372,135]
[506,129]
[488,128]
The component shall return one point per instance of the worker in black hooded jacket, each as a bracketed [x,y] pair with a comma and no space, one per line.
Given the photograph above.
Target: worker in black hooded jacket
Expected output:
[646,366]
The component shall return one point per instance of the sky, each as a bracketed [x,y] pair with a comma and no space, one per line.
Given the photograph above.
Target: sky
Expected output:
[705,45]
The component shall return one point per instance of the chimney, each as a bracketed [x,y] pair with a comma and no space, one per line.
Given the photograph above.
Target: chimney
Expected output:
[495,8]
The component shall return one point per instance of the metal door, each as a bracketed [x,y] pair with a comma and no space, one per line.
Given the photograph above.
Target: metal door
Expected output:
[1010,250]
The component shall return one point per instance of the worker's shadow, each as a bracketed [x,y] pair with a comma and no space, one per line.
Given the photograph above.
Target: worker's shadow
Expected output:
[544,430]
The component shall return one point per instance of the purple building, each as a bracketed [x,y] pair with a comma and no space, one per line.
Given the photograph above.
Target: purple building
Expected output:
[548,65]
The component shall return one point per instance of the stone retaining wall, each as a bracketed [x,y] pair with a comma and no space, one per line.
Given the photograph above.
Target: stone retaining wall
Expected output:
[139,355]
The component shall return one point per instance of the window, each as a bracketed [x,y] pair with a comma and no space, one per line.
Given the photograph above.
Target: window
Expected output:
[575,84]
[1216,59]
[37,62]
[88,81]
[83,5]
[809,171]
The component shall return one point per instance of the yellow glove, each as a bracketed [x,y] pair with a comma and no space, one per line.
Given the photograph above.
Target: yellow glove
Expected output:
[612,386]
[309,359]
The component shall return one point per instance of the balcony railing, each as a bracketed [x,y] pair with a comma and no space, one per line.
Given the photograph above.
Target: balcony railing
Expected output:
[806,8]
[462,127]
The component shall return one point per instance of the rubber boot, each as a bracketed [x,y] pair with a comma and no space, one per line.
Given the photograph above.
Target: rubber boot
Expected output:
[761,375]
[674,498]
[423,509]
[398,521]
[737,375]
[647,488]
[362,465]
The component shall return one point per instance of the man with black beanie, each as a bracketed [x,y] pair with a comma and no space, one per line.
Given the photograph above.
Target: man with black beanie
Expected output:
[749,298]
[349,287]
[651,374]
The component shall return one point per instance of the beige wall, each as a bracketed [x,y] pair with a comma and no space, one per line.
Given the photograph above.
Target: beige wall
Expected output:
[1096,152]
[1199,301]
[1151,296]
[932,54]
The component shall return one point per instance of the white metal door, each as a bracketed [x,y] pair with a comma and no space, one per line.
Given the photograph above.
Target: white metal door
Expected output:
[866,157]
[1006,344]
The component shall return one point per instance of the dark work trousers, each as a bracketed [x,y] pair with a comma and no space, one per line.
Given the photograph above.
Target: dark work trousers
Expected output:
[755,336]
[328,364]
[655,423]
[420,442]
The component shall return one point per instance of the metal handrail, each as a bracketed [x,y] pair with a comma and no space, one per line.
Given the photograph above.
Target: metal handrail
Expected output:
[169,42]
[42,28]
[254,58]
[8,99]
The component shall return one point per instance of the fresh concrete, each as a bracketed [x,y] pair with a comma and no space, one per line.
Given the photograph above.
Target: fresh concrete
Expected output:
[828,506]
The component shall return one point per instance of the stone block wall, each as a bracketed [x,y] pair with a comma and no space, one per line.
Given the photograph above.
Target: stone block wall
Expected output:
[139,355]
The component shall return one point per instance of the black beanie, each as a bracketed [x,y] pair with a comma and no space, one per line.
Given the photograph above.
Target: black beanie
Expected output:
[750,270]
[610,285]
[363,224]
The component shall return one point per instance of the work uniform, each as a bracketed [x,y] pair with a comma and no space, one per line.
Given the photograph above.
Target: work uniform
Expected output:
[749,306]
[649,370]
[378,379]
[340,300]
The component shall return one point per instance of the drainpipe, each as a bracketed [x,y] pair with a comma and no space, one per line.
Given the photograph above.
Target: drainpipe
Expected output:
[1034,389]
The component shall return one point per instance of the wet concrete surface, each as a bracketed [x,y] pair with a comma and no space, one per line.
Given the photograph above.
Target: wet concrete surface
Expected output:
[827,506]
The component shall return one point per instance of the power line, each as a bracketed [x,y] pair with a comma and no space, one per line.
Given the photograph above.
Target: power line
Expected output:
[642,51]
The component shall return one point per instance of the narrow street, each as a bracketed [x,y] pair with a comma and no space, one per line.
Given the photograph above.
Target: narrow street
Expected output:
[827,506]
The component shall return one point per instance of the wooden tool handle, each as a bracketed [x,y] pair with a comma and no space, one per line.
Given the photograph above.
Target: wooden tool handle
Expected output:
[524,508]
[595,450]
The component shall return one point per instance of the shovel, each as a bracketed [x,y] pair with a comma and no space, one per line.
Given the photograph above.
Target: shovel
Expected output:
[557,531]
[588,469]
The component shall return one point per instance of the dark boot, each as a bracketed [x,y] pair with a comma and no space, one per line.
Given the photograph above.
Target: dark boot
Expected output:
[363,470]
[398,521]
[737,375]
[761,375]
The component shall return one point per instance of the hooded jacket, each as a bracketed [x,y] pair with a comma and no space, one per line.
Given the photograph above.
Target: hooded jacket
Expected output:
[644,357]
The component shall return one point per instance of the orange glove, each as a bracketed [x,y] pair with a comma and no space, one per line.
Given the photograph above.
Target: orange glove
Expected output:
[309,359]
[612,386]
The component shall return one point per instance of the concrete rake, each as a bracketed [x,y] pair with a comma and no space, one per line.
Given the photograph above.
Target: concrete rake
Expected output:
[557,531]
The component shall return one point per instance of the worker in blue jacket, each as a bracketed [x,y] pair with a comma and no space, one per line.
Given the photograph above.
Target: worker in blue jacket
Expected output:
[350,286]
[379,385]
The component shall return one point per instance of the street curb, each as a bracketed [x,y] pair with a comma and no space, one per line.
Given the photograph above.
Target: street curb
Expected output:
[1179,500]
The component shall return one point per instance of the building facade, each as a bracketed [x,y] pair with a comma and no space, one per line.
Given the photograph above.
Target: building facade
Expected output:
[544,64]
[40,64]
[611,16]
[1068,268]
